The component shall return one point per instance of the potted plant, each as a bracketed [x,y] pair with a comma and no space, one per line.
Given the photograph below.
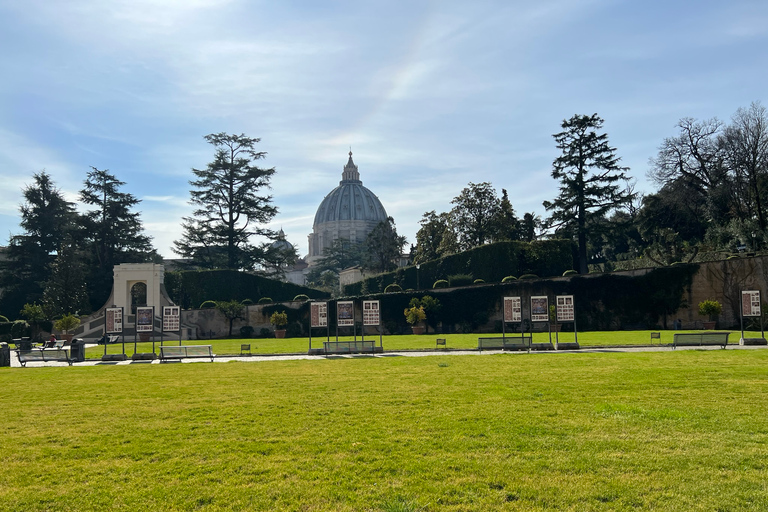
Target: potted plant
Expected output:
[415,315]
[65,324]
[711,309]
[279,319]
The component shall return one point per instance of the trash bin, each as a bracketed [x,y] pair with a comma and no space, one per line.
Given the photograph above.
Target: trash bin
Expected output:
[5,354]
[77,351]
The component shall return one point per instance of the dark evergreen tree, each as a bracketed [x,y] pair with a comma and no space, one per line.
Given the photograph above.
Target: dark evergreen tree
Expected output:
[383,246]
[46,218]
[113,233]
[65,291]
[230,207]
[505,224]
[590,180]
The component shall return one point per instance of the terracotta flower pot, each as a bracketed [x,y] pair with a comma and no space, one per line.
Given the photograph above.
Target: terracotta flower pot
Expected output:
[709,325]
[279,333]
[418,329]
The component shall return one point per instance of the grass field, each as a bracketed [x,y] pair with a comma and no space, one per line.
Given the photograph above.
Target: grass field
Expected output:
[678,431]
[406,342]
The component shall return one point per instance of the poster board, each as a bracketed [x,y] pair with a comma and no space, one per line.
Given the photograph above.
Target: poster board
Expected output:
[371,312]
[750,303]
[171,318]
[345,313]
[540,309]
[113,321]
[318,314]
[513,309]
[145,318]
[564,308]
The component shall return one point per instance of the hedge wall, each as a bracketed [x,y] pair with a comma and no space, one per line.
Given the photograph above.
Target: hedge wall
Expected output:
[190,288]
[605,302]
[490,262]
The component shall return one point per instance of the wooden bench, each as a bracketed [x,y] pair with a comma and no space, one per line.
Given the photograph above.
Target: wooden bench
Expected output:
[349,347]
[695,339]
[440,341]
[186,352]
[44,355]
[506,343]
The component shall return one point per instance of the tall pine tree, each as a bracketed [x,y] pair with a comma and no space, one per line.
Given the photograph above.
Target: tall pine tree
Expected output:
[590,180]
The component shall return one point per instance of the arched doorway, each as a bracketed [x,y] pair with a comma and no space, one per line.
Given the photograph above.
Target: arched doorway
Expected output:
[138,296]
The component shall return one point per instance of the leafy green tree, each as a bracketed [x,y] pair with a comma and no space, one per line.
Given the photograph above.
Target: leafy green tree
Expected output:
[383,246]
[474,212]
[232,310]
[230,206]
[46,218]
[35,316]
[590,180]
[435,237]
[113,232]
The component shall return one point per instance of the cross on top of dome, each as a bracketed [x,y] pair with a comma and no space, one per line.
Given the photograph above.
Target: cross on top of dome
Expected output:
[350,172]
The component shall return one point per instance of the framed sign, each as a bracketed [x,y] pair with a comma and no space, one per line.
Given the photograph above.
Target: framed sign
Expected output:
[540,309]
[750,303]
[513,311]
[318,314]
[371,314]
[564,306]
[171,318]
[345,313]
[114,320]
[144,318]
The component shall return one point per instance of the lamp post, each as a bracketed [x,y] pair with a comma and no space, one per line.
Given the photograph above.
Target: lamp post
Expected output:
[418,266]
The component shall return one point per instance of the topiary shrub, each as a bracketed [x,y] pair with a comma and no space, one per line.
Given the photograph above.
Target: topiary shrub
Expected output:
[246,331]
[301,298]
[19,329]
[3,319]
[509,279]
[529,276]
[479,281]
[440,283]
[265,300]
[570,273]
[265,333]
[246,302]
[208,304]
[394,287]
[460,280]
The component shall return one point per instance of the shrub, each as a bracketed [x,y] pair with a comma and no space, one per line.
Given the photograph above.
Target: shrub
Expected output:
[460,280]
[301,298]
[3,319]
[710,308]
[208,304]
[265,333]
[19,329]
[509,279]
[279,319]
[440,283]
[529,276]
[414,315]
[394,287]
[246,331]
[246,302]
[265,300]
[479,281]
[67,323]
[570,273]
[294,330]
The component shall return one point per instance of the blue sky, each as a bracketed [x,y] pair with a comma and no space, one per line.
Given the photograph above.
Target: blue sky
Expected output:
[430,95]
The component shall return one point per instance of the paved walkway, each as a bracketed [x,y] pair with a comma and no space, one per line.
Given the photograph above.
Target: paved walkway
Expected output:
[407,353]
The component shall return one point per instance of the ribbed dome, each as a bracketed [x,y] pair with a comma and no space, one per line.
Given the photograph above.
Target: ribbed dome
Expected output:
[350,200]
[281,244]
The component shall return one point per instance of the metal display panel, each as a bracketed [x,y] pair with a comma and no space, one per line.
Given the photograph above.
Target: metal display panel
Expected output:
[750,303]
[145,318]
[171,318]
[345,311]
[371,312]
[564,308]
[513,309]
[318,314]
[114,321]
[540,308]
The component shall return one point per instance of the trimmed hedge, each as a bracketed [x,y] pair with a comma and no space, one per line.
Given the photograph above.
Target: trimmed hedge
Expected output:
[490,262]
[188,288]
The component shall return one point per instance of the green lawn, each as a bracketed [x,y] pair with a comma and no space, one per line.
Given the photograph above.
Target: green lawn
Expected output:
[405,342]
[680,431]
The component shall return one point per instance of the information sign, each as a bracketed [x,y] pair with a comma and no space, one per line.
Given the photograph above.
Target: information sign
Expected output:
[513,311]
[171,318]
[144,318]
[346,313]
[114,320]
[539,309]
[750,303]
[319,314]
[371,314]
[564,308]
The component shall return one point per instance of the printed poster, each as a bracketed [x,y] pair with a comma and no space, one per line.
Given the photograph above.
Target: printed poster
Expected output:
[371,314]
[171,318]
[318,314]
[564,308]
[540,309]
[144,318]
[513,311]
[750,303]
[114,320]
[346,313]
